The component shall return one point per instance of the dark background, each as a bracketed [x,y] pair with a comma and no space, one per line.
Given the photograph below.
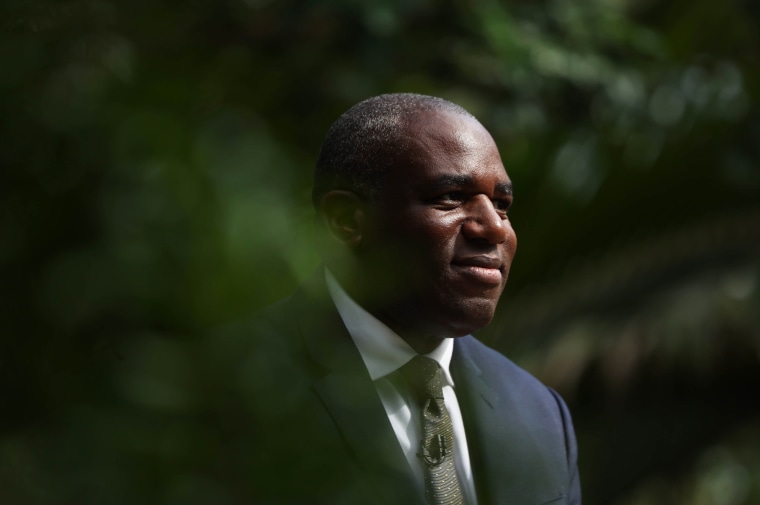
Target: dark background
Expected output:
[156,165]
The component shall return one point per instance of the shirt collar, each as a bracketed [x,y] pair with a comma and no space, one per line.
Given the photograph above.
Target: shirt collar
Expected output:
[382,350]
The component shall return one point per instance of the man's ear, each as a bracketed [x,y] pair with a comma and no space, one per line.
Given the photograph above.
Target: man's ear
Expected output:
[343,215]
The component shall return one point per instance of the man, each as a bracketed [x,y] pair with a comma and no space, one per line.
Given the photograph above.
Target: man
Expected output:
[411,199]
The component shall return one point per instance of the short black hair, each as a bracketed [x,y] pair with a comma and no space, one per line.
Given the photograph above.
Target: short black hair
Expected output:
[361,144]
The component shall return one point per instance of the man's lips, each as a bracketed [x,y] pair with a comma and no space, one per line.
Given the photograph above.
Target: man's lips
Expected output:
[484,269]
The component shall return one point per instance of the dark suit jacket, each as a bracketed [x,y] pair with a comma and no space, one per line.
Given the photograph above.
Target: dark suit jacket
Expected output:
[320,433]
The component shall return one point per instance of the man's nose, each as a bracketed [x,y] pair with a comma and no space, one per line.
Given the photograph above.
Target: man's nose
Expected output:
[485,222]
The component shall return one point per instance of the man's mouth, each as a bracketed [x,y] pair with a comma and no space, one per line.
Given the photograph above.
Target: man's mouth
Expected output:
[483,269]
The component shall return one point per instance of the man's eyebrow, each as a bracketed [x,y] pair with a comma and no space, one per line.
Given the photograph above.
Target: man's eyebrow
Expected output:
[445,182]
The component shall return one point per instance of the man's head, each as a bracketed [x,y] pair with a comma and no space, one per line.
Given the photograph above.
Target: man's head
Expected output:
[414,196]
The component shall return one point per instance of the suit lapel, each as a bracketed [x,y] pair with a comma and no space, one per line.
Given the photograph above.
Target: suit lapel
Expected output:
[510,459]
[344,386]
[478,403]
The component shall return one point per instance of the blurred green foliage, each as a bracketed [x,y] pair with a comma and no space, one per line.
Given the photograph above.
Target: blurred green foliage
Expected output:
[156,167]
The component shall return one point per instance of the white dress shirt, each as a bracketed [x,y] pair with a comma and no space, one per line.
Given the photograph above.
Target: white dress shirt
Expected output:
[384,352]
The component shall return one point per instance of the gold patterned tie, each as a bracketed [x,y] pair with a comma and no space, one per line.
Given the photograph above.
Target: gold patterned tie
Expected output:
[423,378]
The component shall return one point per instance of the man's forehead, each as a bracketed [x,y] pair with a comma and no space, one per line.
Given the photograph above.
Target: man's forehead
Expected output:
[444,150]
[443,120]
[448,131]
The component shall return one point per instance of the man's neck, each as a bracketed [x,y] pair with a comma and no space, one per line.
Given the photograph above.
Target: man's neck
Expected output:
[422,342]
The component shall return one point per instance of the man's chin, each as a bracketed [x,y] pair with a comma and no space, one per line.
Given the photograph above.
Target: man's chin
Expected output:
[459,321]
[438,318]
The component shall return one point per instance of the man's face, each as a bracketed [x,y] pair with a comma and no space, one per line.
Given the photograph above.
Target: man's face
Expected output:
[440,233]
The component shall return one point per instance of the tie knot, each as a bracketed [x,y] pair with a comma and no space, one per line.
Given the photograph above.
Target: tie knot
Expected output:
[422,376]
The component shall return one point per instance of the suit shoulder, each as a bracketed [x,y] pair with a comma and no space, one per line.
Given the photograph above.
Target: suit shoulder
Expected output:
[510,379]
[491,361]
[255,339]
[274,318]
[530,411]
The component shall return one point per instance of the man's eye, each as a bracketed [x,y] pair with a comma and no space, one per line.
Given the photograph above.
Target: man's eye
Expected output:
[452,196]
[502,205]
